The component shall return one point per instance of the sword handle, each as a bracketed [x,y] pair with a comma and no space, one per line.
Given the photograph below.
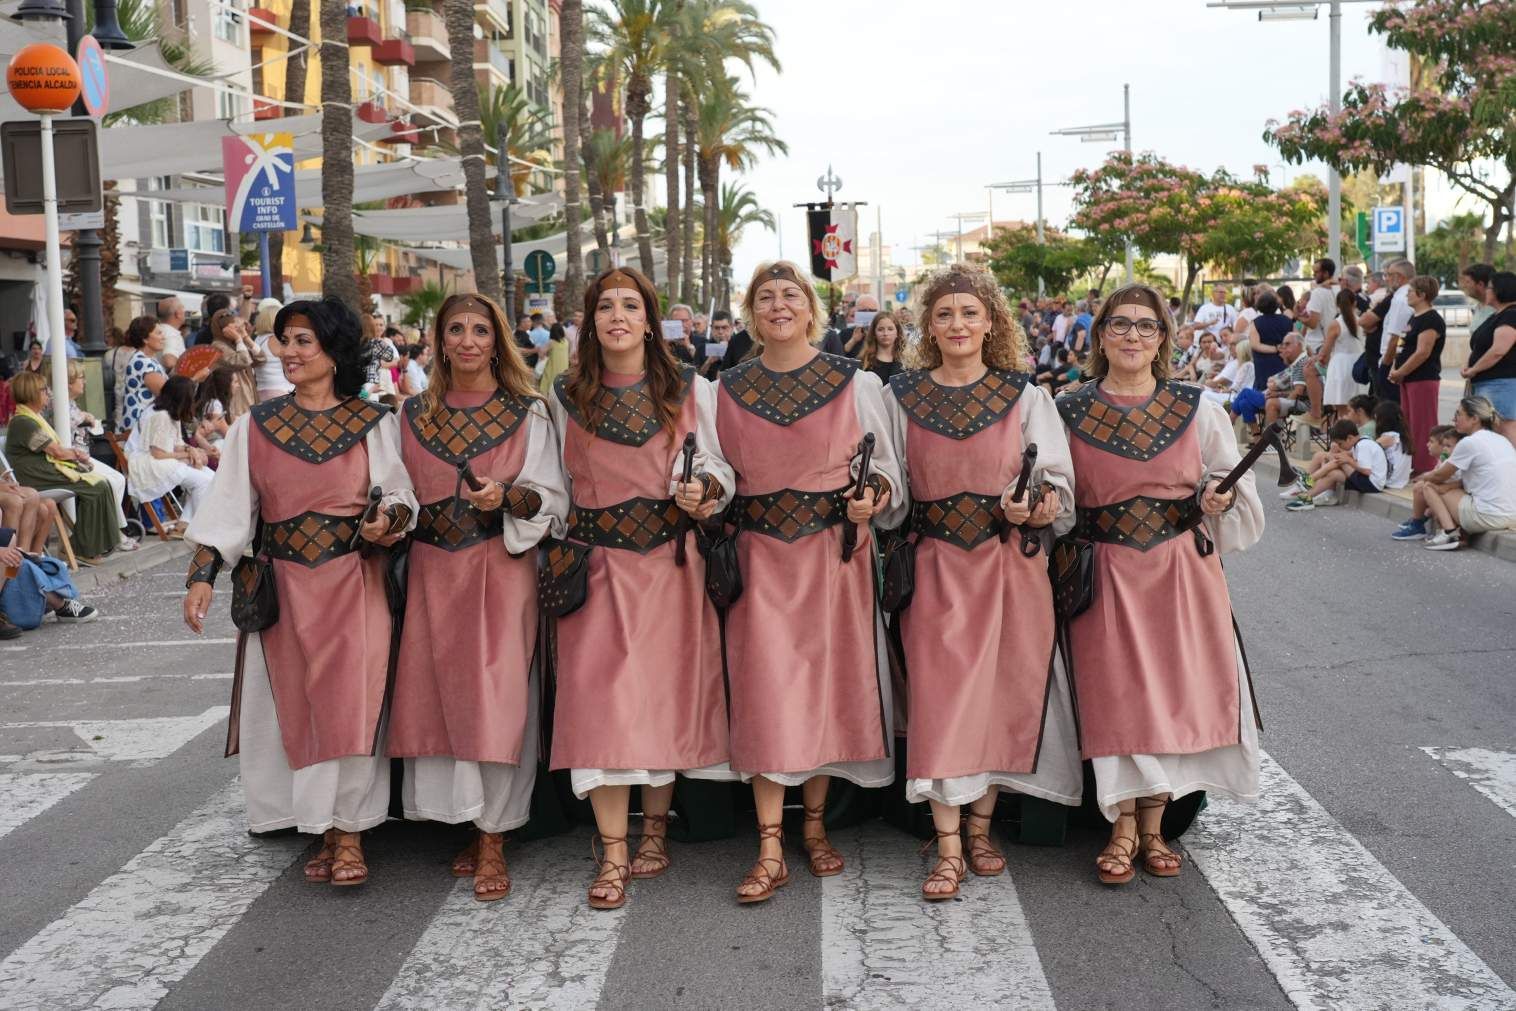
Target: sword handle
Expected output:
[850,530]
[684,519]
[1028,463]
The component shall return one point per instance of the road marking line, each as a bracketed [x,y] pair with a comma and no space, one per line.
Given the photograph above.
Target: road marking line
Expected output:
[23,796]
[124,645]
[1335,927]
[1492,773]
[541,947]
[117,680]
[134,740]
[882,946]
[145,927]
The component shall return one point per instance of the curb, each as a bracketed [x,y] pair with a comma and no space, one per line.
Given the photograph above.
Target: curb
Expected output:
[1393,507]
[121,566]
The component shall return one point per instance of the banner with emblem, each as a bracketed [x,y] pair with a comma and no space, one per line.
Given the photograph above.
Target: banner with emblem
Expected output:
[834,241]
[260,182]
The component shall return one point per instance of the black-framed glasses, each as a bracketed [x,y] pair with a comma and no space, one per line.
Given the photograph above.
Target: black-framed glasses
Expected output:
[1120,326]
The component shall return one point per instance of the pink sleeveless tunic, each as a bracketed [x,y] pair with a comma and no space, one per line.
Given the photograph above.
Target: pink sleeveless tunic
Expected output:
[328,654]
[471,612]
[639,665]
[1154,658]
[801,648]
[979,631]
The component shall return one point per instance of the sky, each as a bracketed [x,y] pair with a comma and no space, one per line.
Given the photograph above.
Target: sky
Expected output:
[917,106]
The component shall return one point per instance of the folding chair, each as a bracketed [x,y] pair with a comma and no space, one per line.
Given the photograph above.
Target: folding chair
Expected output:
[60,496]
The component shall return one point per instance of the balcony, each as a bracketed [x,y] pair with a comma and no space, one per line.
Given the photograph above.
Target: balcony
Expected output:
[428,34]
[403,133]
[496,12]
[433,101]
[363,31]
[372,111]
[265,109]
[261,21]
[388,284]
[489,57]
[395,52]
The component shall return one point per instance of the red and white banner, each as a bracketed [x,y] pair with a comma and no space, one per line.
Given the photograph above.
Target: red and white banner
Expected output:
[834,241]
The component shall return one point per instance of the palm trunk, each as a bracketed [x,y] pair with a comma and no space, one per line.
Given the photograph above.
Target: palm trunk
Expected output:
[294,91]
[636,110]
[571,28]
[592,186]
[337,280]
[687,247]
[459,15]
[671,178]
[709,175]
[1191,271]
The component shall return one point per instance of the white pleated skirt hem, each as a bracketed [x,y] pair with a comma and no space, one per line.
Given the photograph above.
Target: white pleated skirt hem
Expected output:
[959,791]
[868,774]
[584,780]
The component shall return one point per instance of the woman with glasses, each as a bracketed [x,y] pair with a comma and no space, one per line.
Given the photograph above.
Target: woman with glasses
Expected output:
[1162,691]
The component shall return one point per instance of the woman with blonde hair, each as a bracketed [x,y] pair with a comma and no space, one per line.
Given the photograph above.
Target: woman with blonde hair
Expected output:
[269,376]
[467,680]
[805,658]
[989,706]
[1163,693]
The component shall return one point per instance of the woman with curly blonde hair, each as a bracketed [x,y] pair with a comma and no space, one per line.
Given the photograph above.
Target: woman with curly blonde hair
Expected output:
[990,705]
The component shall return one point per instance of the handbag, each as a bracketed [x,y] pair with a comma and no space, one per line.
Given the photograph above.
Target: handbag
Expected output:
[899,584]
[563,574]
[1071,567]
[1363,371]
[255,599]
[723,573]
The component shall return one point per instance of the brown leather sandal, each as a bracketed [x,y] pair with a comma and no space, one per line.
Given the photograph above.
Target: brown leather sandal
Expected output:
[612,876]
[1156,856]
[949,869]
[1118,852]
[657,852]
[985,858]
[467,860]
[770,881]
[318,869]
[492,881]
[819,849]
[347,855]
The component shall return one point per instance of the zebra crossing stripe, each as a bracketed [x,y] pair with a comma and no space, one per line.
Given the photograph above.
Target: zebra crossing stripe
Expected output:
[23,796]
[542,946]
[1492,773]
[142,929]
[144,740]
[883,947]
[1335,927]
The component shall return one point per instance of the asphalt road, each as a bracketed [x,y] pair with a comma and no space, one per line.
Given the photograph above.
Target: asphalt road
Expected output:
[1375,871]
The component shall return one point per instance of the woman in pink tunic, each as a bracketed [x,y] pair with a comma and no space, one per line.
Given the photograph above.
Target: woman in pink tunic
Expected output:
[989,700]
[805,658]
[639,686]
[466,685]
[308,697]
[1162,692]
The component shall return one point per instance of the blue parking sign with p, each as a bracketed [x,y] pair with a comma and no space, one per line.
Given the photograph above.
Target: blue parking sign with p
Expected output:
[1389,229]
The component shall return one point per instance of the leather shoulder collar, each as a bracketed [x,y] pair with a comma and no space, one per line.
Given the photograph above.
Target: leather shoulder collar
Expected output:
[625,414]
[957,411]
[785,397]
[462,433]
[316,436]
[1137,433]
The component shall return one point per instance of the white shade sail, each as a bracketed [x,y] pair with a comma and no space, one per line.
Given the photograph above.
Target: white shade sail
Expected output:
[444,223]
[370,182]
[132,74]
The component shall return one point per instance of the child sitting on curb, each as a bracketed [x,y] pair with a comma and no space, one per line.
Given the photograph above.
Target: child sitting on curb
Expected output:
[1354,463]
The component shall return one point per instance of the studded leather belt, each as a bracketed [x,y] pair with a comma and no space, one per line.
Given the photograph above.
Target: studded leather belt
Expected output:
[637,524]
[788,514]
[311,538]
[436,525]
[965,520]
[1140,522]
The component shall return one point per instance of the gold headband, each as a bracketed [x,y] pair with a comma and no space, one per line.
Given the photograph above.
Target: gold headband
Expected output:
[617,278]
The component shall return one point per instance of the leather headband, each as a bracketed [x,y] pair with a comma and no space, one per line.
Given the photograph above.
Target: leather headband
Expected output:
[616,279]
[958,284]
[469,303]
[781,272]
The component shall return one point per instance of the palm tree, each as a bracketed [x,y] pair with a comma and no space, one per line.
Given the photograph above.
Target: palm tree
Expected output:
[690,211]
[337,278]
[729,132]
[677,54]
[739,209]
[608,162]
[571,36]
[507,111]
[459,16]
[422,304]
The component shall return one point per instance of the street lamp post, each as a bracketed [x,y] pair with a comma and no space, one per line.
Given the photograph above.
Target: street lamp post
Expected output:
[1108,132]
[1028,186]
[506,191]
[961,217]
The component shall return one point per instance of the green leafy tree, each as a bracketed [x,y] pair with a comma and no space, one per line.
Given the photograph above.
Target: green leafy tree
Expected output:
[1019,261]
[422,304]
[1454,244]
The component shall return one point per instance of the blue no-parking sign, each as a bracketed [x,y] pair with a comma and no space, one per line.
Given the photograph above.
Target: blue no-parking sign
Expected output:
[1389,229]
[95,91]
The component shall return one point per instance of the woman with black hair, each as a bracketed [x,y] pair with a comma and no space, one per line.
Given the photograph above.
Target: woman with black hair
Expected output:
[294,482]
[161,460]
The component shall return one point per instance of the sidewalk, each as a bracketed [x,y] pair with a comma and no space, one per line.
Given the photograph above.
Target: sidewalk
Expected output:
[123,565]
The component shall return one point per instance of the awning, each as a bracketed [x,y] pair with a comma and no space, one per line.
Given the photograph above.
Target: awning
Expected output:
[131,73]
[149,293]
[555,245]
[370,182]
[138,152]
[442,223]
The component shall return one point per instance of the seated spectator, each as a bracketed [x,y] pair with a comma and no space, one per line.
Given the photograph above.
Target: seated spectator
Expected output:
[1472,491]
[83,426]
[1235,375]
[1361,411]
[211,423]
[32,585]
[32,516]
[1389,424]
[162,461]
[44,461]
[1353,463]
[1064,371]
[1285,391]
[1184,354]
[1441,441]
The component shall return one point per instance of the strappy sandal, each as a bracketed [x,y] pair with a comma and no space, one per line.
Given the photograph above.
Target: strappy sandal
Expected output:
[657,853]
[619,875]
[467,861]
[1118,852]
[491,870]
[949,869]
[318,869]
[347,855]
[763,876]
[985,858]
[1158,850]
[819,849]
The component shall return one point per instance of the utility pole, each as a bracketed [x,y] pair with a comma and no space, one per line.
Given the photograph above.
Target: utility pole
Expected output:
[1029,186]
[506,191]
[1108,132]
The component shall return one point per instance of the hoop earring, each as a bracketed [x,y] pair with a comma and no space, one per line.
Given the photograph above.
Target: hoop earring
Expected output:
[647,338]
[494,362]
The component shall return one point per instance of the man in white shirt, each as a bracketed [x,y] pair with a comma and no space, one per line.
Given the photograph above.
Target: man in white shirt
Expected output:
[1062,325]
[1320,307]
[171,324]
[1216,313]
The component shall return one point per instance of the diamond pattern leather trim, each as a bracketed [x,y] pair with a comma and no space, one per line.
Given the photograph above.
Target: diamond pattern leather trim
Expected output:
[310,538]
[957,411]
[436,526]
[790,515]
[1137,433]
[316,436]
[626,413]
[462,433]
[638,524]
[1139,522]
[965,520]
[786,397]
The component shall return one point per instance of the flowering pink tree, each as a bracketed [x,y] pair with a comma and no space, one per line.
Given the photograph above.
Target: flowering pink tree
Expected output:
[1466,114]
